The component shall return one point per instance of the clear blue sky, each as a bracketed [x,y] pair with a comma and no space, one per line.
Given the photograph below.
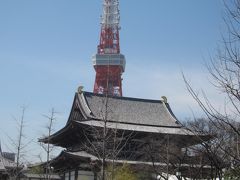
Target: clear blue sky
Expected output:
[46,48]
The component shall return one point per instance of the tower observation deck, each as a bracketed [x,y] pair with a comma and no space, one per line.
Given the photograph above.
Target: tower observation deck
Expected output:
[109,63]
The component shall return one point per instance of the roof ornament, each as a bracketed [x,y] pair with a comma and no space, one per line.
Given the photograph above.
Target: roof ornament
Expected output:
[164,99]
[80,89]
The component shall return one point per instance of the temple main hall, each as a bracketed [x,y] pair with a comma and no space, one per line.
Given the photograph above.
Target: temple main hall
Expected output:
[141,132]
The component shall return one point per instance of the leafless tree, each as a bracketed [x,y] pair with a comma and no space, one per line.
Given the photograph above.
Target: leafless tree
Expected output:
[166,157]
[105,142]
[48,148]
[217,152]
[224,69]
[19,145]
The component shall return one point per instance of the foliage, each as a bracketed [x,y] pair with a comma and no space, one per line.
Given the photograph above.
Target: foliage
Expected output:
[143,175]
[123,172]
[232,174]
[37,170]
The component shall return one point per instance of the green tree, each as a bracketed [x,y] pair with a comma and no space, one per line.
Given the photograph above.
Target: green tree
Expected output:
[37,170]
[232,174]
[122,173]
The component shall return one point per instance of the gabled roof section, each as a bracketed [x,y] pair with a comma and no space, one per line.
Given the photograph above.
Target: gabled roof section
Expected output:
[123,113]
[127,110]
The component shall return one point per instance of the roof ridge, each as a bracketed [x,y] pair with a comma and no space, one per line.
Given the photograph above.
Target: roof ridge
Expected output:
[123,97]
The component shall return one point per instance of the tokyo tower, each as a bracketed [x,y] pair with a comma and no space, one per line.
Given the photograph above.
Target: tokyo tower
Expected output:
[109,63]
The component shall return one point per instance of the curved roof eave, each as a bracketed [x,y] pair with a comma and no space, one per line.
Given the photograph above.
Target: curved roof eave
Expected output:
[54,135]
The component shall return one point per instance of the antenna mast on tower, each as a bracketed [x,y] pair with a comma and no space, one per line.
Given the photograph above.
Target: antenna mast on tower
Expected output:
[108,63]
[109,39]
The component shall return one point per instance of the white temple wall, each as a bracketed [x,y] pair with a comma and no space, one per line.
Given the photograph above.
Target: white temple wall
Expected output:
[79,175]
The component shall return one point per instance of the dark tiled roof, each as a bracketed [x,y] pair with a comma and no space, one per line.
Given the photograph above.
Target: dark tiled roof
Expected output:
[123,113]
[6,163]
[128,110]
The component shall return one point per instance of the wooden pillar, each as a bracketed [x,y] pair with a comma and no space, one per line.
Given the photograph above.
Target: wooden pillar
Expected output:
[76,173]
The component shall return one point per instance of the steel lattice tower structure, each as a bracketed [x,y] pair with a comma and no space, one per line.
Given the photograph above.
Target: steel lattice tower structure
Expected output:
[108,63]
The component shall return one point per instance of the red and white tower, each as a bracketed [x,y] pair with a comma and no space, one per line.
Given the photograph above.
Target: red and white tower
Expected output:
[108,63]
